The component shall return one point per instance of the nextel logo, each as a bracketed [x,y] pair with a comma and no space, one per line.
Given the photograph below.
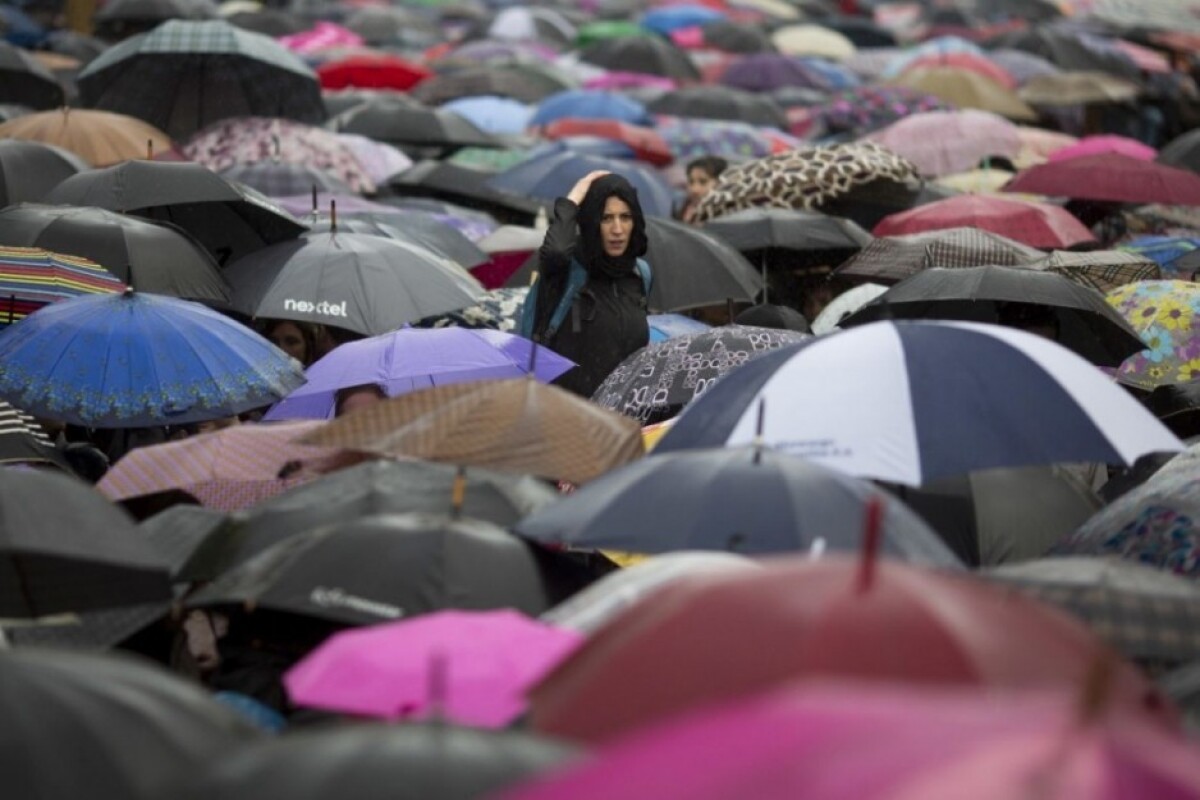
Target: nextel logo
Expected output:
[324,308]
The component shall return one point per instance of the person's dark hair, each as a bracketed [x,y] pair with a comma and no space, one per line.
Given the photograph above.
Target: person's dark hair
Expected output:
[713,165]
[308,332]
[590,247]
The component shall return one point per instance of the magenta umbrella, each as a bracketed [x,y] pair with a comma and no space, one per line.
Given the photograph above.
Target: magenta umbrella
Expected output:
[1113,177]
[854,742]
[1106,143]
[1035,224]
[470,667]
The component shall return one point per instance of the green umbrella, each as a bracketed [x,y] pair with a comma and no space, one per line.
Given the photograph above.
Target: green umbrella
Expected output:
[608,29]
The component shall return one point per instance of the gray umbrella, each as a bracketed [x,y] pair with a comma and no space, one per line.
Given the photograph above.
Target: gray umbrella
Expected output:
[418,229]
[403,123]
[24,80]
[29,170]
[356,281]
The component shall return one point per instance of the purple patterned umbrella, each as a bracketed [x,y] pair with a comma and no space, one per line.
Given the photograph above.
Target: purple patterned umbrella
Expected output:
[869,108]
[416,358]
[766,72]
[689,138]
[1021,65]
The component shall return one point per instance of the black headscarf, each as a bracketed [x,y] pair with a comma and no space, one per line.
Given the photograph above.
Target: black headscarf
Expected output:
[590,247]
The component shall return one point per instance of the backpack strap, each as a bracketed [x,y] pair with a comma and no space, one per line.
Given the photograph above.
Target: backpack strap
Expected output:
[576,279]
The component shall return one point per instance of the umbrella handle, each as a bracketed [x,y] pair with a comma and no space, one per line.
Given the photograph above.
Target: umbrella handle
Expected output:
[870,545]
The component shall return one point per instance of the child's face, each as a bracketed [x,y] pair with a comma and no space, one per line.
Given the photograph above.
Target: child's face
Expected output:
[699,183]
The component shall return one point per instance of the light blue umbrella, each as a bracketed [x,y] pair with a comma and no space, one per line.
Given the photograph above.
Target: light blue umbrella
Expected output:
[669,326]
[553,176]
[133,360]
[588,104]
[493,114]
[667,19]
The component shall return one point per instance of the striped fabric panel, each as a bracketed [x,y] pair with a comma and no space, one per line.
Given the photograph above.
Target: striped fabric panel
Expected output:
[16,422]
[40,276]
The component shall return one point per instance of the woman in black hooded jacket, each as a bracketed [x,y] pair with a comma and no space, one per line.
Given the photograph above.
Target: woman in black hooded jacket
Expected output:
[599,224]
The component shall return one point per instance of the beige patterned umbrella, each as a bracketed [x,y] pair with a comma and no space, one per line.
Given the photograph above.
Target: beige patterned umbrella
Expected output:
[516,425]
[890,259]
[966,89]
[1077,89]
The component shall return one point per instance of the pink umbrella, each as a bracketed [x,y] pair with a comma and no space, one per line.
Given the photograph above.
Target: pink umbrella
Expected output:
[614,81]
[322,36]
[1035,224]
[1107,143]
[946,142]
[853,742]
[471,667]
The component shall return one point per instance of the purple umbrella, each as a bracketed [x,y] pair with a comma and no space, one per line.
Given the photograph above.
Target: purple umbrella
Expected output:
[414,358]
[1023,66]
[766,72]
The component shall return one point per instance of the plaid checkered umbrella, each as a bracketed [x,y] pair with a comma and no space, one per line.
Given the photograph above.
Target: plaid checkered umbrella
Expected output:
[889,259]
[1104,270]
[185,75]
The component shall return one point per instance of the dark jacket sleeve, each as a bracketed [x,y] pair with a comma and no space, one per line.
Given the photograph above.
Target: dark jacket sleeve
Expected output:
[559,244]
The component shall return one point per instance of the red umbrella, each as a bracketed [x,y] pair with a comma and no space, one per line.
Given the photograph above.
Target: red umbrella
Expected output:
[646,143]
[969,62]
[1034,224]
[371,72]
[1110,176]
[707,639]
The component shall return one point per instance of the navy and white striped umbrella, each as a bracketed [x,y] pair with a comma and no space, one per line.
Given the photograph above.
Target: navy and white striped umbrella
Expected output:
[915,401]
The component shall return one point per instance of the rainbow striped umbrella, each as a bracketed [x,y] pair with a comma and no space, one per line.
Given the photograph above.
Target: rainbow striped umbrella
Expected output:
[31,277]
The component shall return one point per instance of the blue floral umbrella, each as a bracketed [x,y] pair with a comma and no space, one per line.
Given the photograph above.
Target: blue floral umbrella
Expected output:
[133,359]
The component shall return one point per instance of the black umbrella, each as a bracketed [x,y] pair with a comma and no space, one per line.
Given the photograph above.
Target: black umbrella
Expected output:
[178,532]
[274,22]
[24,80]
[225,217]
[104,727]
[744,499]
[1069,49]
[154,257]
[860,30]
[651,55]
[22,440]
[721,102]
[383,568]
[392,25]
[374,762]
[528,83]
[655,383]
[29,170]
[1178,406]
[186,75]
[417,229]
[65,548]
[103,629]
[1183,151]
[1086,323]
[405,124]
[284,179]
[734,37]
[74,44]
[691,269]
[376,487]
[431,178]
[356,281]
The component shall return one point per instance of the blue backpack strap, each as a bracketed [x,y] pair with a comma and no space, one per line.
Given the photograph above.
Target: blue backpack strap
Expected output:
[643,269]
[576,280]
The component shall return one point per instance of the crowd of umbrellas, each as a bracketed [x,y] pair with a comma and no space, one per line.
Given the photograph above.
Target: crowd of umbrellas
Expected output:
[934,537]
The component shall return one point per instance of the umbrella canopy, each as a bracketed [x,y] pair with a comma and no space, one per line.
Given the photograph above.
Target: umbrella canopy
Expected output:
[795,238]
[467,186]
[100,138]
[22,440]
[647,144]
[133,726]
[417,229]
[667,19]
[589,104]
[947,398]
[470,667]
[858,111]
[228,470]
[133,359]
[26,81]
[248,140]
[383,568]
[276,179]
[749,500]
[1142,611]
[845,304]
[67,549]
[228,219]
[723,103]
[1164,313]
[1096,145]
[185,75]
[1077,89]
[969,62]
[812,40]
[355,281]
[1103,270]
[411,359]
[553,174]
[1111,177]
[31,278]
[945,142]
[724,35]
[522,24]
[1034,224]
[650,55]
[966,90]
[655,383]
[149,256]
[29,170]
[528,83]
[767,72]
[707,634]
[370,762]
[406,124]
[1183,151]
[492,113]
[893,258]
[690,138]
[1084,323]
[517,425]
[371,72]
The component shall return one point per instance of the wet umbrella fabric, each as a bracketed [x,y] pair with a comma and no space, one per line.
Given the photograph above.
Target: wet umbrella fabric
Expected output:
[64,549]
[132,360]
[589,104]
[149,256]
[403,123]
[948,398]
[889,259]
[946,142]
[22,440]
[284,179]
[226,218]
[386,567]
[416,229]
[132,727]
[26,81]
[723,103]
[186,75]
[369,762]
[555,173]
[360,282]
[746,500]
[29,170]
[649,55]
[98,137]
[1103,270]
[1164,313]
[1110,177]
[411,359]
[1086,324]
[31,278]
[1034,224]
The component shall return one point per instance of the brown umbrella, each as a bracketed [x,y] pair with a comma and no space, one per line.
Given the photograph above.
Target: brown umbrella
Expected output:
[966,89]
[1104,270]
[101,138]
[517,425]
[890,259]
[1077,89]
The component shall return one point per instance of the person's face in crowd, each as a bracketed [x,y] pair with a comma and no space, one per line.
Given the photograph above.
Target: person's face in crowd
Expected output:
[212,425]
[288,338]
[358,397]
[699,183]
[616,226]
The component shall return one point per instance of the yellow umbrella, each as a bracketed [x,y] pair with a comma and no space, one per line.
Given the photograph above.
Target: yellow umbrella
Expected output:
[978,181]
[966,89]
[812,40]
[99,137]
[779,9]
[652,433]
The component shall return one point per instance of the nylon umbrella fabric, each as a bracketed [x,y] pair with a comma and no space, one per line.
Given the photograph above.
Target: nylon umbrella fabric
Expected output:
[371,72]
[100,138]
[941,407]
[646,143]
[1164,313]
[1103,270]
[131,360]
[655,383]
[966,90]
[1077,89]
[748,500]
[553,175]
[647,54]
[791,235]
[31,278]
[416,229]
[845,304]
[1105,143]
[29,170]
[492,114]
[284,179]
[691,138]
[766,72]
[356,281]
[889,259]
[1111,177]
[589,104]
[22,440]
[411,359]
[524,82]
[404,124]
[27,81]
[722,103]
[946,142]
[1034,224]
[858,111]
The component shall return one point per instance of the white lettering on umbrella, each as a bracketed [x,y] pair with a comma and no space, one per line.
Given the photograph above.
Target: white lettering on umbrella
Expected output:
[325,308]
[326,597]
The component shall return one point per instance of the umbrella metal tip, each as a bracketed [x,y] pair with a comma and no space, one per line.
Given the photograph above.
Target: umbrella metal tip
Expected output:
[128,292]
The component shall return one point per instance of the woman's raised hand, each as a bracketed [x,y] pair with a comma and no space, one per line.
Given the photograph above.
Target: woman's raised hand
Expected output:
[580,189]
